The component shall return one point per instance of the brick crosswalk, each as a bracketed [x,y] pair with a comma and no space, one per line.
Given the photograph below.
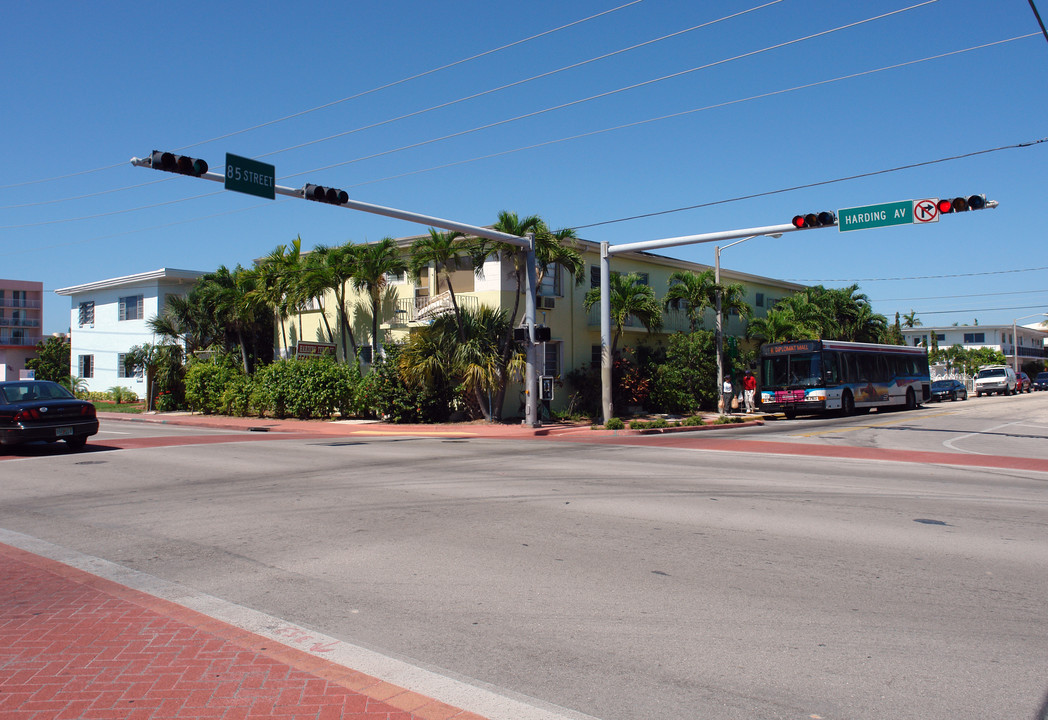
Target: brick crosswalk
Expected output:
[77,647]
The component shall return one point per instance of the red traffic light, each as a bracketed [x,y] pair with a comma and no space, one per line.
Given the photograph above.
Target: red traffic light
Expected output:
[813,220]
[960,204]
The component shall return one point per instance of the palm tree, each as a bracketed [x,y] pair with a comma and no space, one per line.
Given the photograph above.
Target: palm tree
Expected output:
[374,262]
[312,283]
[910,319]
[339,266]
[277,272]
[781,325]
[438,358]
[166,357]
[235,301]
[629,299]
[695,291]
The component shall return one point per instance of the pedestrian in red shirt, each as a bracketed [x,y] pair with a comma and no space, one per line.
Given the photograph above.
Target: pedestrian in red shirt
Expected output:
[749,391]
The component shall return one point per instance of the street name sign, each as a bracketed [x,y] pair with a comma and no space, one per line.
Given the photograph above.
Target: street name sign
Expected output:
[250,176]
[902,212]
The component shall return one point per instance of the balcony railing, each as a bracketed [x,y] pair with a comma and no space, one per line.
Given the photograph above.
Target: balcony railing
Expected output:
[424,309]
[19,303]
[19,339]
[19,322]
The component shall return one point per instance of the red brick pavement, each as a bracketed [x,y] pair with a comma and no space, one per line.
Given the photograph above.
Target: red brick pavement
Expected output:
[79,647]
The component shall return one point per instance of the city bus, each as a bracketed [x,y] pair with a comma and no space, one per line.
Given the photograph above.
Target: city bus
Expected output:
[813,376]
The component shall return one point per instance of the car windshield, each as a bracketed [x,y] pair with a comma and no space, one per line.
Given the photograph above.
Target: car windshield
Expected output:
[1042,376]
[991,372]
[942,384]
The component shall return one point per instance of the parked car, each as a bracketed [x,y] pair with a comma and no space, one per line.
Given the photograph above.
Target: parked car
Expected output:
[1022,382]
[998,379]
[949,390]
[1041,381]
[42,410]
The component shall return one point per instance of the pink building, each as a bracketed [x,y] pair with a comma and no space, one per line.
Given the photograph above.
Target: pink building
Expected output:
[21,316]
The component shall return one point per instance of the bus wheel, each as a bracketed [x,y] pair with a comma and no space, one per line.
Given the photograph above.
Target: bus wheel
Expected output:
[791,413]
[911,400]
[847,404]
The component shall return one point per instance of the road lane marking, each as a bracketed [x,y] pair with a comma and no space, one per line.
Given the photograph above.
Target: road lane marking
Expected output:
[867,426]
[950,443]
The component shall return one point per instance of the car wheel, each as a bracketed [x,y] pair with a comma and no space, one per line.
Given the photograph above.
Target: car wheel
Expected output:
[847,404]
[76,443]
[965,396]
[911,400]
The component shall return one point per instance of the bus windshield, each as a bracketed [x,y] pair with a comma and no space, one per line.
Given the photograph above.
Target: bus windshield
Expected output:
[801,370]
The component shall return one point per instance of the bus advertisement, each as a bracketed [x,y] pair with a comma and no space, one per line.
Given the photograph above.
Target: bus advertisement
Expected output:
[814,376]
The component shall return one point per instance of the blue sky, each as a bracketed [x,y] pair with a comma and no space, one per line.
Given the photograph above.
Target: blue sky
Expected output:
[738,106]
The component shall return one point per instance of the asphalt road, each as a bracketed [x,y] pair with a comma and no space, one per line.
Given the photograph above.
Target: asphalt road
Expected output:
[619,581]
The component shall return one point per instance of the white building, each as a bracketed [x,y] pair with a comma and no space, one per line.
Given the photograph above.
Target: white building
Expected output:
[109,317]
[1018,343]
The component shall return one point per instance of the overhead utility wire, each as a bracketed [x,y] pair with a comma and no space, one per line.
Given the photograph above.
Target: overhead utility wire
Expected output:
[950,297]
[641,122]
[919,277]
[610,92]
[517,83]
[346,99]
[815,184]
[681,114]
[434,107]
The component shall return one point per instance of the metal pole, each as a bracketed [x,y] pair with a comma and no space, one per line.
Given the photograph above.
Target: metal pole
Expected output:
[605,332]
[719,341]
[531,416]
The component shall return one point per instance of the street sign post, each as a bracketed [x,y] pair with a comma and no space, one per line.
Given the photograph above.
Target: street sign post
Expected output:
[250,176]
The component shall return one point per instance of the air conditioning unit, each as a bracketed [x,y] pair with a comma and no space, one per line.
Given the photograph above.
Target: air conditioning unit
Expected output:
[548,303]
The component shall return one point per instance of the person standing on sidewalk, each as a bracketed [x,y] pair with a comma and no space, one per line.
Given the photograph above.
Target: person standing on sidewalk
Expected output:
[749,391]
[726,395]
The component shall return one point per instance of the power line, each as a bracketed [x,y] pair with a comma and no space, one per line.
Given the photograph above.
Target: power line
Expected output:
[981,310]
[609,93]
[950,297]
[345,99]
[919,277]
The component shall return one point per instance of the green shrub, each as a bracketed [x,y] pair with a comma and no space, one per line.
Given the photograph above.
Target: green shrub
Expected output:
[237,396]
[120,394]
[315,388]
[166,401]
[694,420]
[206,382]
[615,424]
[639,425]
[384,394]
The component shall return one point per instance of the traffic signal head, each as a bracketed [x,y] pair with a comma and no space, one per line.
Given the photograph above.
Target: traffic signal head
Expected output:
[333,196]
[813,220]
[181,164]
[960,204]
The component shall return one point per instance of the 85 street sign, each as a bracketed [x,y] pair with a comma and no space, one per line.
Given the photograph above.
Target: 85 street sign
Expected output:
[250,176]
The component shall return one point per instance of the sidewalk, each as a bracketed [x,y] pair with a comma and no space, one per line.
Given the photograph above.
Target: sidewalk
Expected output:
[80,647]
[458,430]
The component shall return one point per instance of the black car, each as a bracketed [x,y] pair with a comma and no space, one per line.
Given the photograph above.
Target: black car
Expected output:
[1041,381]
[42,410]
[949,390]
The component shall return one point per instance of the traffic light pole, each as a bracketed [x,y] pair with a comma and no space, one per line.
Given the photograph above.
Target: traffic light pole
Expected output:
[607,251]
[531,415]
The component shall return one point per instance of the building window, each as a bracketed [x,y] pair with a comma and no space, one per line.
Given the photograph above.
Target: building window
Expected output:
[87,313]
[594,276]
[595,355]
[940,337]
[86,366]
[550,285]
[123,371]
[131,307]
[975,337]
[760,300]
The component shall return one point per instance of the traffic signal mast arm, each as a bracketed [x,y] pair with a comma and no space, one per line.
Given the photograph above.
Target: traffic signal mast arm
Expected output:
[338,195]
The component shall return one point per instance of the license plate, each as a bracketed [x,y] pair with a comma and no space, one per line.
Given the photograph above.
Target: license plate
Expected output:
[63,431]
